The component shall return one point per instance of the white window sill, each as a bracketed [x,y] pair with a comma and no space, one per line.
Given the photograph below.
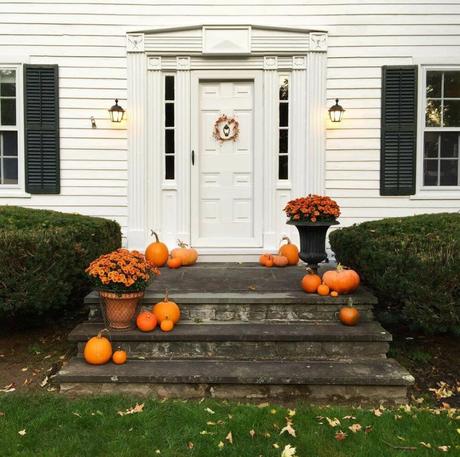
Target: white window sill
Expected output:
[441,194]
[16,193]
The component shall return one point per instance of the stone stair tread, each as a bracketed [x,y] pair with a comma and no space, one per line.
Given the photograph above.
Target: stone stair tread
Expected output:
[385,372]
[366,331]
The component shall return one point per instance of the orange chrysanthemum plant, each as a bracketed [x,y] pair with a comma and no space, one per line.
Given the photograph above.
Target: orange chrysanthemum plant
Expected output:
[312,208]
[121,271]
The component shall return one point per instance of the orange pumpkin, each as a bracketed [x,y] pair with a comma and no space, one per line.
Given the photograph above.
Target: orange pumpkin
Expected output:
[280,260]
[323,289]
[310,282]
[188,256]
[167,325]
[264,258]
[290,251]
[119,357]
[269,261]
[157,252]
[349,315]
[174,263]
[146,321]
[342,280]
[334,294]
[98,350]
[167,310]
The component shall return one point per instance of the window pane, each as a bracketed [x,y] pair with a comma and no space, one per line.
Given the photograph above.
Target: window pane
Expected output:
[431,148]
[449,172]
[283,167]
[169,174]
[8,111]
[451,113]
[9,143]
[169,114]
[433,113]
[433,84]
[7,83]
[430,172]
[284,114]
[449,144]
[452,84]
[169,141]
[10,171]
[284,88]
[169,88]
[283,147]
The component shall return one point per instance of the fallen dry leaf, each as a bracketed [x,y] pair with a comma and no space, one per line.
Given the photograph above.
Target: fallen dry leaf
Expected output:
[220,445]
[355,428]
[444,448]
[229,437]
[288,428]
[9,388]
[44,382]
[263,405]
[368,429]
[340,436]
[22,432]
[427,445]
[138,408]
[443,390]
[377,412]
[291,412]
[276,445]
[288,451]
[190,445]
[333,422]
[253,432]
[349,417]
[210,411]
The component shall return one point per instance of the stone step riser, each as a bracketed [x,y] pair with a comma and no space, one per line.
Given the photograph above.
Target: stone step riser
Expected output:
[257,313]
[251,350]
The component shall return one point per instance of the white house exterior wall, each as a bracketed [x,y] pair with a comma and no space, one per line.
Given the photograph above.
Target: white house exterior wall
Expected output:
[88,42]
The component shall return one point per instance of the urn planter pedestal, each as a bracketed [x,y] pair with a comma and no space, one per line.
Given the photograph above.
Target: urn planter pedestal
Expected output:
[313,241]
[120,309]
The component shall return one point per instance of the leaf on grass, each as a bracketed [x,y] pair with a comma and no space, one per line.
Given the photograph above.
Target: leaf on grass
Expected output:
[220,445]
[210,423]
[2,414]
[397,417]
[210,411]
[138,408]
[368,429]
[9,388]
[76,414]
[253,432]
[276,445]
[22,432]
[24,369]
[263,405]
[44,382]
[288,451]
[349,417]
[333,422]
[288,428]
[229,437]
[427,445]
[458,429]
[190,445]
[401,438]
[340,436]
[444,448]
[291,412]
[273,411]
[157,451]
[442,391]
[377,412]
[355,428]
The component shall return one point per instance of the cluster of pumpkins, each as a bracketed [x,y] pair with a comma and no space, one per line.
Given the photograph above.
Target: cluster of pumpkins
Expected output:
[158,254]
[288,254]
[98,350]
[334,282]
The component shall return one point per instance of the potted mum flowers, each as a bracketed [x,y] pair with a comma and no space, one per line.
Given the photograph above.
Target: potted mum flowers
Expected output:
[312,215]
[121,278]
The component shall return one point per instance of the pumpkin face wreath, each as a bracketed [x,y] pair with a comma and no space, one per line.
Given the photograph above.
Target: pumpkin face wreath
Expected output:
[226,128]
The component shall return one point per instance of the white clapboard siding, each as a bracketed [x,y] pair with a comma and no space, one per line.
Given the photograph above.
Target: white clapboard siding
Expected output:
[87,40]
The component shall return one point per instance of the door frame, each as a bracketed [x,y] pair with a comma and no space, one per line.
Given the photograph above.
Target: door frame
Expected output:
[256,76]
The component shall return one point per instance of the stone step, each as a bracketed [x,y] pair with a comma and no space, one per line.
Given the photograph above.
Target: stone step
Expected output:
[372,380]
[262,341]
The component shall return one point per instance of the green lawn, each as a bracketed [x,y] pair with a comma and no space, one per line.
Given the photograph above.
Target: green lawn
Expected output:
[51,425]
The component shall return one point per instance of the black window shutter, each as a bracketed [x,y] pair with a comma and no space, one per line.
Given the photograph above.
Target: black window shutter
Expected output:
[41,129]
[399,130]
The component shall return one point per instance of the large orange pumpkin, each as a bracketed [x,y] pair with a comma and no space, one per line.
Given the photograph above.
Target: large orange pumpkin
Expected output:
[349,315]
[146,321]
[157,252]
[310,282]
[98,350]
[290,251]
[342,280]
[188,256]
[166,310]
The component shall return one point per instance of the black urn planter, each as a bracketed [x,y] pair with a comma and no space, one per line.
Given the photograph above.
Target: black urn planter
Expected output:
[312,241]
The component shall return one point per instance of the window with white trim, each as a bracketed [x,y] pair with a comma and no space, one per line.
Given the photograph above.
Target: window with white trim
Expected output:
[9,152]
[441,136]
[283,128]
[169,126]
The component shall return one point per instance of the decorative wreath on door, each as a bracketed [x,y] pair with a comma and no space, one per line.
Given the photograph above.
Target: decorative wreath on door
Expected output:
[226,128]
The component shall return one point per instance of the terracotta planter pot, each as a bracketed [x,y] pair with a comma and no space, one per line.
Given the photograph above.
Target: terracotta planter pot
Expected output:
[312,241]
[120,310]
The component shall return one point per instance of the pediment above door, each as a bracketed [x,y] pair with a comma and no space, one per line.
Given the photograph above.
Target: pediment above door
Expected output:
[227,40]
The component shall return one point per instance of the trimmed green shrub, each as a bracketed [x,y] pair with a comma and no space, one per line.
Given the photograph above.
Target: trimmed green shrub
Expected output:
[411,263]
[43,255]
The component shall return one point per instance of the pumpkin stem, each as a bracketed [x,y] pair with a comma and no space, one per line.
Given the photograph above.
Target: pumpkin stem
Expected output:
[166,295]
[104,330]
[340,267]
[309,271]
[285,238]
[350,302]
[153,233]
[181,244]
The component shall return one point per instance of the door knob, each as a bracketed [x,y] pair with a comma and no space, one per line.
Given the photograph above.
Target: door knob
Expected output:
[193,157]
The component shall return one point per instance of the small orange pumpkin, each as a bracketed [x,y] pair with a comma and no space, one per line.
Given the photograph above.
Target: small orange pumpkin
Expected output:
[342,280]
[146,321]
[334,293]
[310,282]
[167,325]
[187,255]
[119,357]
[269,261]
[289,250]
[174,263]
[323,289]
[166,310]
[98,350]
[264,258]
[280,260]
[349,315]
[157,252]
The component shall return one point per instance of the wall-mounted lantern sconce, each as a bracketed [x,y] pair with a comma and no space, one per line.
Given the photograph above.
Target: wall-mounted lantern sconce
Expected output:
[116,112]
[336,112]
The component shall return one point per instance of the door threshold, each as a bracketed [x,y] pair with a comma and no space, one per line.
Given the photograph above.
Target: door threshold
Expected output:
[231,254]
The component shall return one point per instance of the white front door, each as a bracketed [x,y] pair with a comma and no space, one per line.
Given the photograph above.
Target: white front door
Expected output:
[226,185]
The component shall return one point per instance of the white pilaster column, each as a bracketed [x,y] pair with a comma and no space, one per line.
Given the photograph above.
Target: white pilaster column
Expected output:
[183,152]
[137,141]
[316,122]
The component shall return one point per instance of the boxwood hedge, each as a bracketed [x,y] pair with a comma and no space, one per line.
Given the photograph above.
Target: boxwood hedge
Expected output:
[411,263]
[43,255]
